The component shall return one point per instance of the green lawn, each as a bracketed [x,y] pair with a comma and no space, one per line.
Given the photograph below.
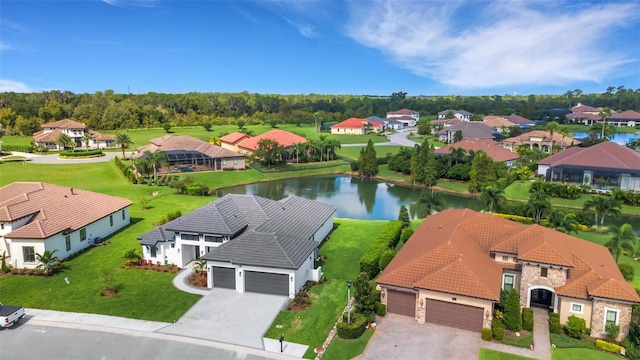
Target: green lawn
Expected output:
[580,354]
[486,354]
[341,349]
[352,152]
[523,341]
[343,251]
[454,186]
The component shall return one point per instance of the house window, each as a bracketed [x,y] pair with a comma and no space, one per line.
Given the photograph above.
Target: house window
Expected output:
[216,239]
[110,220]
[189,237]
[28,254]
[83,234]
[122,211]
[67,242]
[543,272]
[577,308]
[507,281]
[2,226]
[173,245]
[154,251]
[235,162]
[505,258]
[610,317]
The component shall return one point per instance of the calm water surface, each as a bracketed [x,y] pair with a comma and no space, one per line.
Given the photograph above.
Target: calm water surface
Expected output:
[619,138]
[365,199]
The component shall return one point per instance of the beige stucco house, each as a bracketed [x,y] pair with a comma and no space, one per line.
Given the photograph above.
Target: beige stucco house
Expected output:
[452,270]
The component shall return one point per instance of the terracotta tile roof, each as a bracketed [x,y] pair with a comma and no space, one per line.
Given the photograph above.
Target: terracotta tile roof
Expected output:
[101,137]
[451,252]
[170,143]
[490,147]
[234,137]
[519,120]
[446,121]
[50,137]
[462,112]
[404,117]
[64,124]
[605,154]
[52,208]
[497,122]
[583,115]
[283,138]
[403,112]
[626,115]
[474,130]
[355,123]
[585,108]
[565,141]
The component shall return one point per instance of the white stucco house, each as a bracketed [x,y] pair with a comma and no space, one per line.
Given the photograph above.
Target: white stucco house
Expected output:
[408,117]
[36,216]
[48,136]
[250,243]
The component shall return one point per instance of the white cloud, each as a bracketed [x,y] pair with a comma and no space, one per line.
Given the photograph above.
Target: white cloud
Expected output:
[494,43]
[14,86]
[305,30]
[4,46]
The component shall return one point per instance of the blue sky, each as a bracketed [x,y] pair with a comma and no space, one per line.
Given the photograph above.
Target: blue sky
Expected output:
[323,47]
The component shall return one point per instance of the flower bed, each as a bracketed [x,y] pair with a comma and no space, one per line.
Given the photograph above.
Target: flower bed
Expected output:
[198,279]
[150,265]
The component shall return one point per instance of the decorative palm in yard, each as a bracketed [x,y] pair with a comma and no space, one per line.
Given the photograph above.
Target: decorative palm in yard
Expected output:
[561,221]
[156,159]
[602,206]
[66,141]
[539,204]
[492,198]
[47,260]
[430,201]
[622,242]
[123,140]
[86,138]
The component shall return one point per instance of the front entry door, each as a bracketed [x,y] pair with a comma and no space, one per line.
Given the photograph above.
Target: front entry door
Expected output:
[197,252]
[541,298]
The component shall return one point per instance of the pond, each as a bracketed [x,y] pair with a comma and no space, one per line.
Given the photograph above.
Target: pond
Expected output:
[361,198]
[619,138]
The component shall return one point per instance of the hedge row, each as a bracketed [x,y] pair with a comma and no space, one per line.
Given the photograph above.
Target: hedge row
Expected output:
[626,197]
[607,346]
[81,153]
[387,239]
[355,329]
[19,148]
[127,171]
[558,190]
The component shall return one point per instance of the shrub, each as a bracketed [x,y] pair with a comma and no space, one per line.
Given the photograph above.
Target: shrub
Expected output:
[527,319]
[376,294]
[497,329]
[364,301]
[607,346]
[611,332]
[4,267]
[381,309]
[355,329]
[487,334]
[406,234]
[512,314]
[627,271]
[404,216]
[387,238]
[554,323]
[575,327]
[81,153]
[386,258]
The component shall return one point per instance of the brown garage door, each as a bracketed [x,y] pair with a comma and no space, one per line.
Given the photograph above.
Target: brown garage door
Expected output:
[455,315]
[402,303]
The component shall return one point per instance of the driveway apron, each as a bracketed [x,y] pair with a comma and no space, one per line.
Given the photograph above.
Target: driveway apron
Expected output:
[228,316]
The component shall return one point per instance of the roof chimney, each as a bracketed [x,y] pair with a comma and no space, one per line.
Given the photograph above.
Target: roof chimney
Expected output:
[439,226]
[72,191]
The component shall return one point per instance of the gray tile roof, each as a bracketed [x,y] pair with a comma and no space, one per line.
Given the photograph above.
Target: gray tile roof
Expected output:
[155,236]
[223,217]
[297,217]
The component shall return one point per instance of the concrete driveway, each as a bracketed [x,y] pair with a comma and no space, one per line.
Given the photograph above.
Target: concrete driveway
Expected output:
[228,316]
[401,337]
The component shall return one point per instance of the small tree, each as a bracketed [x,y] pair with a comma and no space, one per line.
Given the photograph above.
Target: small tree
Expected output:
[365,302]
[132,257]
[200,266]
[4,267]
[512,315]
[240,124]
[167,127]
[47,260]
[108,279]
[404,216]
[144,203]
[611,332]
[207,125]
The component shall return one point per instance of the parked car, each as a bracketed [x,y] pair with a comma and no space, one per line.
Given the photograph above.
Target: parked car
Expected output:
[10,315]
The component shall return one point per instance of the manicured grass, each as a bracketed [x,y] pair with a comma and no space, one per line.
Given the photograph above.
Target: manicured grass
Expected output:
[353,152]
[455,186]
[142,294]
[386,174]
[341,349]
[342,251]
[12,158]
[16,140]
[432,140]
[524,341]
[486,354]
[580,354]
[564,341]
[604,238]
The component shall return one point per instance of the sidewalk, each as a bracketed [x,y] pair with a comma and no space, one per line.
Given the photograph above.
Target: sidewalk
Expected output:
[181,281]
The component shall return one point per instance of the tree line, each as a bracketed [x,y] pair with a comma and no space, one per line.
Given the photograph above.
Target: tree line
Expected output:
[23,113]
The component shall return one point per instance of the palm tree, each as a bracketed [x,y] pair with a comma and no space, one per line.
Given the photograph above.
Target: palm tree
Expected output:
[431,200]
[602,206]
[552,127]
[66,141]
[524,172]
[123,141]
[200,266]
[623,241]
[492,197]
[457,154]
[539,203]
[132,257]
[558,220]
[604,114]
[86,138]
[47,260]
[332,145]
[156,159]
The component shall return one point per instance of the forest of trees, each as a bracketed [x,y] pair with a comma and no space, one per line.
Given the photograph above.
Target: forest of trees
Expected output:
[23,113]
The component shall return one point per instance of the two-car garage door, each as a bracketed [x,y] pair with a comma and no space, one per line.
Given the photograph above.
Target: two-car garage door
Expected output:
[266,283]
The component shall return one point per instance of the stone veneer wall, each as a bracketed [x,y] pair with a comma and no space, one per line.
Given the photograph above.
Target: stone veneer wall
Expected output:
[597,318]
[531,277]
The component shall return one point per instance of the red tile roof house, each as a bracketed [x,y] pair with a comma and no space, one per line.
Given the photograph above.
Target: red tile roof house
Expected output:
[539,139]
[519,120]
[231,141]
[35,217]
[356,126]
[617,164]
[406,116]
[186,153]
[50,132]
[628,118]
[284,138]
[453,268]
[490,147]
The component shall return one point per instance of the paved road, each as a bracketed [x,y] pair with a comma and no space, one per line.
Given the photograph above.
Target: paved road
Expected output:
[29,341]
[395,139]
